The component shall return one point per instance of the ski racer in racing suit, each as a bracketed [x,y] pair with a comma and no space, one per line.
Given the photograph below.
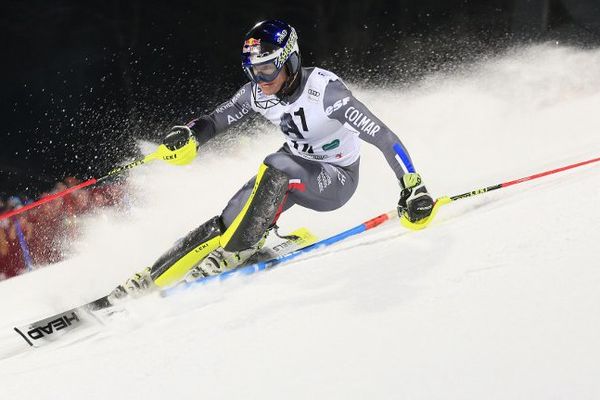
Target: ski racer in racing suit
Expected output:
[317,167]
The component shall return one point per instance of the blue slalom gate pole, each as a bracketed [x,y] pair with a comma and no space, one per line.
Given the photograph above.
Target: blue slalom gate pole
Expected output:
[251,269]
[23,244]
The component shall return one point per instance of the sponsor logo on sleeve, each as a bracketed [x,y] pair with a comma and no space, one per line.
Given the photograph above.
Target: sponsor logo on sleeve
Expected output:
[337,105]
[361,121]
[231,118]
[223,107]
[239,94]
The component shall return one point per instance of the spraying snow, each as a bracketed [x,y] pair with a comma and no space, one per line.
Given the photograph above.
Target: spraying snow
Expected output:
[497,299]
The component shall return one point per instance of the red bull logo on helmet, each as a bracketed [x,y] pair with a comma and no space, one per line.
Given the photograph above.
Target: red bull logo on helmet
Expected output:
[250,44]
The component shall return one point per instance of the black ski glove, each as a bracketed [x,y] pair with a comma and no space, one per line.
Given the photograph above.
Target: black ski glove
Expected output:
[415,202]
[177,137]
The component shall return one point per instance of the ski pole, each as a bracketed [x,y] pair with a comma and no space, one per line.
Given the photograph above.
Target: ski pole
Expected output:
[89,182]
[448,199]
[185,155]
[24,247]
[365,226]
[527,178]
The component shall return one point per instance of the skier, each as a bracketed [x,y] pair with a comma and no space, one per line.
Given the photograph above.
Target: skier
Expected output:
[317,166]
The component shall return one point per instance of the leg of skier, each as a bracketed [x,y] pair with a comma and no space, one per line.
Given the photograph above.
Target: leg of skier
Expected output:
[260,205]
[249,215]
[313,185]
[226,241]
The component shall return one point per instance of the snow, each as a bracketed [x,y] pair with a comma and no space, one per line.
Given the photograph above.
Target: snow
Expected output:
[497,299]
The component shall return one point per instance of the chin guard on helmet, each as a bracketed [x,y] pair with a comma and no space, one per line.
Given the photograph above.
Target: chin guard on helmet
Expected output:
[265,102]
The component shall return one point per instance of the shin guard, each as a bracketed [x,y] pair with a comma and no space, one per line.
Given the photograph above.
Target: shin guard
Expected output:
[259,211]
[187,252]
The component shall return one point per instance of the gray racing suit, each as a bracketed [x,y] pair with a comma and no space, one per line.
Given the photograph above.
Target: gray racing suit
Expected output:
[323,125]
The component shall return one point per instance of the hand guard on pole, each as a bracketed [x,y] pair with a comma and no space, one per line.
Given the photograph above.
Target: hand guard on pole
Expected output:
[179,147]
[415,203]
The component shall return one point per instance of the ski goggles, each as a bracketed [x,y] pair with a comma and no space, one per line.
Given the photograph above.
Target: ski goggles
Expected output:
[263,72]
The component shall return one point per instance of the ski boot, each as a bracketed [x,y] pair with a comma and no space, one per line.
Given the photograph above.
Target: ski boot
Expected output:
[172,266]
[221,260]
[138,285]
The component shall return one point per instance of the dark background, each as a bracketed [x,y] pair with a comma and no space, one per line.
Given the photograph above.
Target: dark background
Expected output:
[81,80]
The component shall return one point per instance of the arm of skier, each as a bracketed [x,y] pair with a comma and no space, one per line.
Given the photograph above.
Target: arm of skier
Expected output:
[415,203]
[341,105]
[181,138]
[224,116]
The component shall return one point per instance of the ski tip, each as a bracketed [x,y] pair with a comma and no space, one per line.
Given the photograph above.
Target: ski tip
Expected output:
[424,223]
[23,336]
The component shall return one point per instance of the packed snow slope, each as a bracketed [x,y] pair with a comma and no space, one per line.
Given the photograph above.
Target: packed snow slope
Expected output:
[498,299]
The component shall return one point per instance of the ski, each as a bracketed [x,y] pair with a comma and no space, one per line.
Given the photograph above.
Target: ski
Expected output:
[101,310]
[50,329]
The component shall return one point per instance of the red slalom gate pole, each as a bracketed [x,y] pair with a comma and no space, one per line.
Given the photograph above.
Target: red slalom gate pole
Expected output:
[47,199]
[82,185]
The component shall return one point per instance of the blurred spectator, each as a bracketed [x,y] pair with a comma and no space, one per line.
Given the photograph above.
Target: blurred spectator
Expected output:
[38,236]
[11,260]
[4,246]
